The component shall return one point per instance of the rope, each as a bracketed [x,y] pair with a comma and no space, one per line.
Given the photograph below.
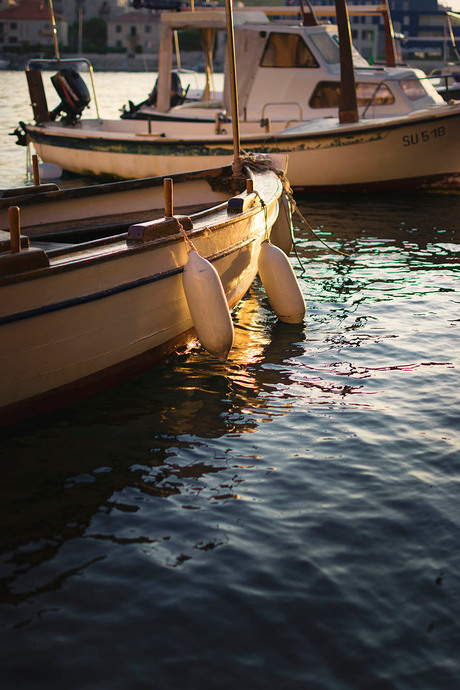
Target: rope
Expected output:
[188,242]
[264,206]
[262,162]
[337,251]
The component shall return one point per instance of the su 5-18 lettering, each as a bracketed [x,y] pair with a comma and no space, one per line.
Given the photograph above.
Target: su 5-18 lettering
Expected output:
[426,135]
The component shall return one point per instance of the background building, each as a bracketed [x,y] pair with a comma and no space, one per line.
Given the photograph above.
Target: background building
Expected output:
[423,24]
[134,31]
[28,23]
[90,8]
[418,24]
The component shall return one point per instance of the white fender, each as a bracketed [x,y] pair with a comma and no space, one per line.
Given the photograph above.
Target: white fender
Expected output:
[208,306]
[48,171]
[281,234]
[280,284]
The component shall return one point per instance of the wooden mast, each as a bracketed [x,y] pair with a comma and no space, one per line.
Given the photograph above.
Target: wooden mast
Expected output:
[233,87]
[54,29]
[390,46]
[348,108]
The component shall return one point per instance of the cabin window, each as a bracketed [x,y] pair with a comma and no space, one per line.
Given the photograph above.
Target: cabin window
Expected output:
[373,94]
[327,95]
[287,50]
[412,88]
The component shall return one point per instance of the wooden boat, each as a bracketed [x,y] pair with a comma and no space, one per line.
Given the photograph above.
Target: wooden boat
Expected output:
[92,287]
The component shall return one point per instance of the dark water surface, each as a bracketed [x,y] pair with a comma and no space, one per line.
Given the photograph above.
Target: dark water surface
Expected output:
[288,520]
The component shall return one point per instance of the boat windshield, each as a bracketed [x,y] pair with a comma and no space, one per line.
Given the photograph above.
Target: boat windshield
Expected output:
[328,46]
[287,50]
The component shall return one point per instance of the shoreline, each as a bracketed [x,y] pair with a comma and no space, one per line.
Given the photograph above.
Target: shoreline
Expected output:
[117,62]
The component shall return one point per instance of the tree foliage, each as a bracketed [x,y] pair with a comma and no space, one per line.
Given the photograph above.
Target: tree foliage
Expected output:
[94,35]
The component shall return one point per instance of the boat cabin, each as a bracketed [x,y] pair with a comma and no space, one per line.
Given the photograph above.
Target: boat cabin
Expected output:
[286,71]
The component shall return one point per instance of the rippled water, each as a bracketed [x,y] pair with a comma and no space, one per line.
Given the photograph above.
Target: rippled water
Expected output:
[287,520]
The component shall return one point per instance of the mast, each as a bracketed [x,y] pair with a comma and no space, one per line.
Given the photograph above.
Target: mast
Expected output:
[348,108]
[233,86]
[53,24]
[390,46]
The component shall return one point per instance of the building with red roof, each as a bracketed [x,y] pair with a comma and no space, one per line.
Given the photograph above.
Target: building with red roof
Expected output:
[28,23]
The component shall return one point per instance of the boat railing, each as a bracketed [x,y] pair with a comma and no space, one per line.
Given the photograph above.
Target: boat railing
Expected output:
[449,76]
[282,104]
[35,63]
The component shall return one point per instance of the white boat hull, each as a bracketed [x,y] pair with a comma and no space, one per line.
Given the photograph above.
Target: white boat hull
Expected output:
[415,151]
[104,311]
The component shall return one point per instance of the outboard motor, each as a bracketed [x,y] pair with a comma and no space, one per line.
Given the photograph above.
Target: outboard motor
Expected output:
[178,96]
[177,92]
[73,93]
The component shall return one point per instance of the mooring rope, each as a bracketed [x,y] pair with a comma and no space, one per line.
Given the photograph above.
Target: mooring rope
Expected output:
[262,161]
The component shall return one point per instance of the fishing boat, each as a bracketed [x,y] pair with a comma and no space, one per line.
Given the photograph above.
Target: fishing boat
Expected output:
[93,280]
[99,295]
[288,69]
[360,147]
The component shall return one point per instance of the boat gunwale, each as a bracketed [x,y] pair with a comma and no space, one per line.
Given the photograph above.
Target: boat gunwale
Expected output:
[424,116]
[130,248]
[112,187]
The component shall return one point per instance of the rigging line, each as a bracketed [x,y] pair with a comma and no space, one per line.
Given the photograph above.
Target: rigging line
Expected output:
[338,251]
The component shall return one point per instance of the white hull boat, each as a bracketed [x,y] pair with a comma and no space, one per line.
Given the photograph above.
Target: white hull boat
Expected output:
[287,71]
[416,152]
[380,129]
[89,302]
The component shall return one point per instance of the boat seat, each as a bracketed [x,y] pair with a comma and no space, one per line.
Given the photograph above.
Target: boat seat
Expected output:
[155,229]
[25,260]
[214,105]
[242,202]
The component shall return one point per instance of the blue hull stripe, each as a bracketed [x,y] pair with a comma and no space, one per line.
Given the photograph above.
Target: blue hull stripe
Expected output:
[77,301]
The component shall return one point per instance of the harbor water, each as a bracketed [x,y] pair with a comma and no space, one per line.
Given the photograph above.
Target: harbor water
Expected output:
[287,520]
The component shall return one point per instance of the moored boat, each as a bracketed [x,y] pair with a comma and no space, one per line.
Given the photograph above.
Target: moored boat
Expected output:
[87,303]
[360,147]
